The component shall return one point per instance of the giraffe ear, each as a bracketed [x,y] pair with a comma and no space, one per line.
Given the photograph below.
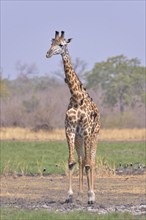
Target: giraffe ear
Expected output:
[69,40]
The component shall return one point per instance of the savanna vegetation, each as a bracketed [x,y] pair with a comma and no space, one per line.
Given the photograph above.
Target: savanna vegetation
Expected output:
[35,100]
[34,103]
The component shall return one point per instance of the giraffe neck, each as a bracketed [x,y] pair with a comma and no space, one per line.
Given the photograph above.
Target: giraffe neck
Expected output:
[77,90]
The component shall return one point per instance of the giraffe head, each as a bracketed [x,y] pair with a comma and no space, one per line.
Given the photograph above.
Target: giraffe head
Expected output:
[59,45]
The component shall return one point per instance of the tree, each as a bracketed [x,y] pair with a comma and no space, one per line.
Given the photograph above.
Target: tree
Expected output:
[121,79]
[25,70]
[31,104]
[3,87]
[79,67]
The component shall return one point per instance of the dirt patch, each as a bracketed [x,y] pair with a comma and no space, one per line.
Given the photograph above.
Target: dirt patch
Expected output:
[117,193]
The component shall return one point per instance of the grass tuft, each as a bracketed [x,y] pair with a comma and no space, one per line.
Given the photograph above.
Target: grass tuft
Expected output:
[103,167]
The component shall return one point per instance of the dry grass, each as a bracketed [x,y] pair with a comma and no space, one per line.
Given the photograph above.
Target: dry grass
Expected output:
[28,135]
[105,134]
[123,134]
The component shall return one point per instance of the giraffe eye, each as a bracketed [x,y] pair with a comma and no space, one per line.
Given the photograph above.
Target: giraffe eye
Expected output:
[60,45]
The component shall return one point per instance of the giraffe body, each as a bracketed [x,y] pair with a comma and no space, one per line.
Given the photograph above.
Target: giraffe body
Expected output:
[81,121]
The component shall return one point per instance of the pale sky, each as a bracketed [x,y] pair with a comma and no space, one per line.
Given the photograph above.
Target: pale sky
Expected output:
[100,29]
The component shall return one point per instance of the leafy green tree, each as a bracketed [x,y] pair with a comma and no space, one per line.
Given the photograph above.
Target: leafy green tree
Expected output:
[122,81]
[3,88]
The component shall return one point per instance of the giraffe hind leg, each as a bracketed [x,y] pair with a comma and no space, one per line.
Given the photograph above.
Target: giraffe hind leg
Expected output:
[91,194]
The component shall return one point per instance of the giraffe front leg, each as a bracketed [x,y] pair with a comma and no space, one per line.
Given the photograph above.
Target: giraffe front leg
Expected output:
[81,174]
[71,162]
[70,191]
[70,135]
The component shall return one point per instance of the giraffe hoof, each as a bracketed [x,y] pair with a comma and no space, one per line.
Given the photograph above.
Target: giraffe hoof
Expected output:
[69,199]
[90,202]
[71,165]
[91,197]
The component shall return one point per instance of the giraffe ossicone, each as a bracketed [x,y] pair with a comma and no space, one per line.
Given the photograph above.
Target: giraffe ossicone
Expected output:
[81,121]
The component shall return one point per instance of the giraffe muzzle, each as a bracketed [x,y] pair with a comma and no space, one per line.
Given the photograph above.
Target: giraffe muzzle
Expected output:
[48,55]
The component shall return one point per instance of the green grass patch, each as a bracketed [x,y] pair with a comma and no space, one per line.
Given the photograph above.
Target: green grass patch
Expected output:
[124,152]
[33,157]
[13,214]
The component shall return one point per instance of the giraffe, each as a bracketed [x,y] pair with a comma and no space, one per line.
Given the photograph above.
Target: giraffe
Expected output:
[81,121]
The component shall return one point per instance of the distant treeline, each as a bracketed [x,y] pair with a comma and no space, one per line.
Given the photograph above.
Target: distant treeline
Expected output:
[117,86]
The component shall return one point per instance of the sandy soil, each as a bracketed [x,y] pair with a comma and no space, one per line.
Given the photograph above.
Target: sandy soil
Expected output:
[117,193]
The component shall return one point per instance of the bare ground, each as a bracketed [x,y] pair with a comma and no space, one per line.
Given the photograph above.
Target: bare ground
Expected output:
[116,193]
